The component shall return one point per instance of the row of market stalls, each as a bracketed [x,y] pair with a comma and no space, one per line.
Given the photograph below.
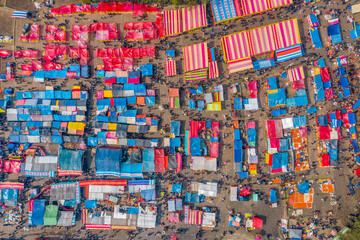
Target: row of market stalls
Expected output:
[137,9]
[228,10]
[277,96]
[287,144]
[202,144]
[283,39]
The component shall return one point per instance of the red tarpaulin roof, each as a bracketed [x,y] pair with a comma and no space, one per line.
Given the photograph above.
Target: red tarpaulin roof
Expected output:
[325,160]
[324,132]
[257,223]
[244,192]
[159,160]
[5,53]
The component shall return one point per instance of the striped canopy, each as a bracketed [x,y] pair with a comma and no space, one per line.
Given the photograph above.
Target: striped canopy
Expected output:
[194,17]
[261,40]
[196,57]
[20,14]
[296,74]
[172,22]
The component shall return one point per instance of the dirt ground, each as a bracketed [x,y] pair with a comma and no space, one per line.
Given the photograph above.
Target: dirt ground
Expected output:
[271,216]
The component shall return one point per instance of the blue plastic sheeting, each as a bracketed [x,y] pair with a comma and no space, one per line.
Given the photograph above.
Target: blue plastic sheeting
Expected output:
[175,142]
[327,84]
[9,194]
[148,160]
[322,120]
[85,71]
[311,110]
[336,38]
[276,113]
[284,144]
[315,37]
[333,121]
[90,203]
[277,98]
[208,124]
[265,63]
[148,194]
[271,83]
[212,54]
[333,30]
[150,100]
[344,82]
[147,69]
[175,128]
[351,117]
[38,212]
[238,103]
[237,135]
[192,104]
[176,188]
[356,104]
[273,197]
[92,141]
[280,160]
[71,159]
[342,71]
[346,91]
[192,197]
[313,18]
[170,53]
[299,121]
[238,151]
[297,101]
[304,187]
[195,146]
[107,161]
[201,105]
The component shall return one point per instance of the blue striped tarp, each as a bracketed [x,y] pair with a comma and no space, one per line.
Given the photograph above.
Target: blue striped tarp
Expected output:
[20,14]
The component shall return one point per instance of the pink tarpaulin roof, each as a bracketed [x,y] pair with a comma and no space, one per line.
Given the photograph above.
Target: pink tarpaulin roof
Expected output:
[148,51]
[5,53]
[26,54]
[193,17]
[111,64]
[138,25]
[196,57]
[274,128]
[253,89]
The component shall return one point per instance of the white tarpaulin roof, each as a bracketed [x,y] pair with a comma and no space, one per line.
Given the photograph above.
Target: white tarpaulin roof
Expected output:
[355,8]
[146,218]
[208,189]
[233,194]
[287,123]
[203,163]
[209,220]
[97,192]
[253,104]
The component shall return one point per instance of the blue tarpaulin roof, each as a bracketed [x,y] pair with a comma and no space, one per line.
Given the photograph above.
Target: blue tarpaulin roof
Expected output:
[107,161]
[304,187]
[273,197]
[148,160]
[175,128]
[38,212]
[147,69]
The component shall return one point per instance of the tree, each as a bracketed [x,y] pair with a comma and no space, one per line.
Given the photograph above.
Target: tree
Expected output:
[353,233]
[176,2]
